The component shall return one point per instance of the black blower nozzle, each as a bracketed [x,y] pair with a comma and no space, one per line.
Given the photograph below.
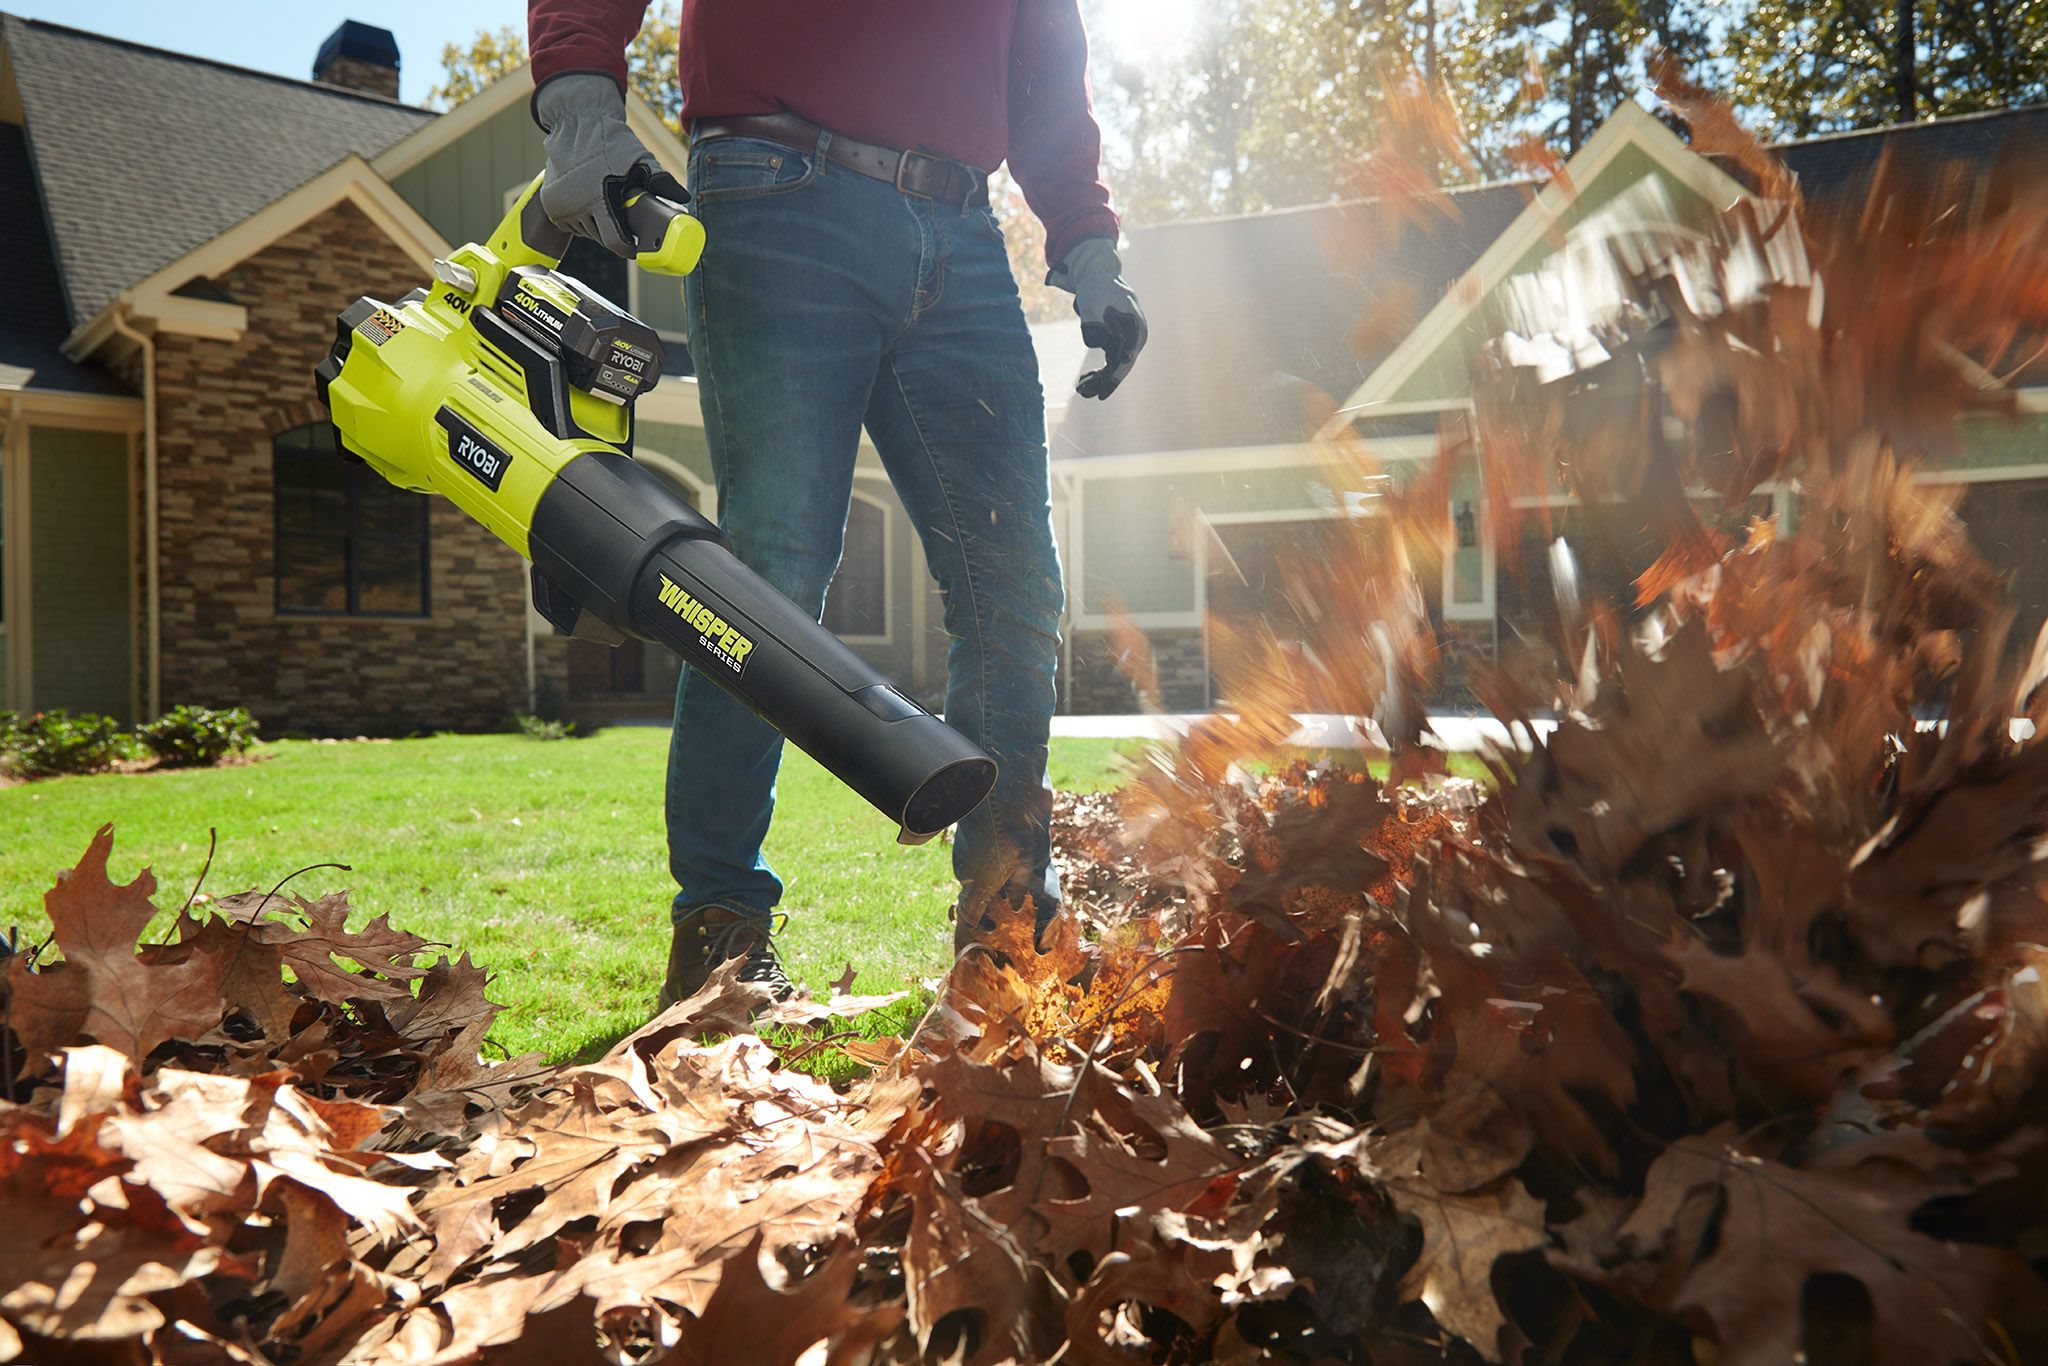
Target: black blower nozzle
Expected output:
[614,547]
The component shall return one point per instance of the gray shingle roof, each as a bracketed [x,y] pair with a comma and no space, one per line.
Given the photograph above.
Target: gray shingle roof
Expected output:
[33,325]
[144,154]
[1834,170]
[1255,319]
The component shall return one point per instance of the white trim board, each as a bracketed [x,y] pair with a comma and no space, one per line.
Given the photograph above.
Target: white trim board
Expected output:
[448,129]
[1630,126]
[17,687]
[516,87]
[349,180]
[1986,474]
[1222,459]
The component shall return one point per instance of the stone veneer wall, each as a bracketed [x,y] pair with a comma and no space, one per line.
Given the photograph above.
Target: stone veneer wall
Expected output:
[218,406]
[1098,686]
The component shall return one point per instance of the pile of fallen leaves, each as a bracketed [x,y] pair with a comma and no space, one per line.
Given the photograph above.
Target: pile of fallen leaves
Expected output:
[1714,1029]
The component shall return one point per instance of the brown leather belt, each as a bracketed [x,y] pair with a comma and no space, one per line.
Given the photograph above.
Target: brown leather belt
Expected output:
[917,174]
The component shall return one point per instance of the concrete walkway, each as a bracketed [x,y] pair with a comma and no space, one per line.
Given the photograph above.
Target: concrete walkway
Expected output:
[1459,733]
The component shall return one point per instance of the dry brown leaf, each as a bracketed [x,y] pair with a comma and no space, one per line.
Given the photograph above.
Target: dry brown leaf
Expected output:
[1463,1235]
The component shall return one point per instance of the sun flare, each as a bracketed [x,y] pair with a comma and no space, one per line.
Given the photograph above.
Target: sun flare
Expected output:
[1135,30]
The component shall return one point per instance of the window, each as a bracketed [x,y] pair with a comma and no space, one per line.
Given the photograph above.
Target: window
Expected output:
[858,603]
[348,544]
[2007,521]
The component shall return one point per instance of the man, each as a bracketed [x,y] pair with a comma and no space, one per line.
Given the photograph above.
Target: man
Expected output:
[854,277]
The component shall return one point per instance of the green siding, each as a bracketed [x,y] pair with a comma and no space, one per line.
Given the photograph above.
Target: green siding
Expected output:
[1999,443]
[461,188]
[79,579]
[461,191]
[1447,375]
[1126,536]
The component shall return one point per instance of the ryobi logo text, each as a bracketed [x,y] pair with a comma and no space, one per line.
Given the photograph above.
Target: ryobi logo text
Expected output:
[485,460]
[715,633]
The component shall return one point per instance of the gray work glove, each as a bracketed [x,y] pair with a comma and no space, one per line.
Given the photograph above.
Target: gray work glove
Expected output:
[1111,320]
[594,161]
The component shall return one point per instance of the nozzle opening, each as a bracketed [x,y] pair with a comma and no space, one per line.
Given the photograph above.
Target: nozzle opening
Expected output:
[947,795]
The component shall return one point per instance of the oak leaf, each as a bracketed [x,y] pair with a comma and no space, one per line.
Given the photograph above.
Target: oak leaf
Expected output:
[315,951]
[1463,1235]
[1781,1226]
[748,1320]
[130,1004]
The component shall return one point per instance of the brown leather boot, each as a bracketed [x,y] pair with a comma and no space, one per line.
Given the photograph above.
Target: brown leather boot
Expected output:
[711,935]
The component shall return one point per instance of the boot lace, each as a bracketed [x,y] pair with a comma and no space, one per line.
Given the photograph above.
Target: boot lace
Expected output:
[755,943]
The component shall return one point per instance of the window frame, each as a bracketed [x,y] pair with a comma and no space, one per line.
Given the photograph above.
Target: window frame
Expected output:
[351,536]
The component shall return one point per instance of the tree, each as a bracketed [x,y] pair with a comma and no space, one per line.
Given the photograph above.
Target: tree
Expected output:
[650,65]
[1271,103]
[1024,237]
[469,71]
[1812,66]
[1556,69]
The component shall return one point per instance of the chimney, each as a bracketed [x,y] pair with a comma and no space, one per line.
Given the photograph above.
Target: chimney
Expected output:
[358,56]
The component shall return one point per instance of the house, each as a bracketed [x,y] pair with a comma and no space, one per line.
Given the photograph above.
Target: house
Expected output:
[175,524]
[1205,467]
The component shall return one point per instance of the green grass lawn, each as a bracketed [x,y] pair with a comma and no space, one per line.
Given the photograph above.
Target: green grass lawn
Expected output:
[544,860]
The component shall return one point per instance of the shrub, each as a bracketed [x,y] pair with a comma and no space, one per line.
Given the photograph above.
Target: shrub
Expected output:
[540,728]
[199,735]
[54,742]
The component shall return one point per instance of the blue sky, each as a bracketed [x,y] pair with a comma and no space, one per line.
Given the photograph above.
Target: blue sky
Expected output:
[273,35]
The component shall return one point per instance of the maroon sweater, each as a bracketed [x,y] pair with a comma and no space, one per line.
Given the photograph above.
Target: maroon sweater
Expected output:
[979,81]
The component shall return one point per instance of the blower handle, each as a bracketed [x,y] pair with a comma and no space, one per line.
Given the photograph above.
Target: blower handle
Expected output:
[666,238]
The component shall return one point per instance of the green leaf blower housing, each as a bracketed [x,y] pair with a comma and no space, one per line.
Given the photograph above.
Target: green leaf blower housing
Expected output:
[508,388]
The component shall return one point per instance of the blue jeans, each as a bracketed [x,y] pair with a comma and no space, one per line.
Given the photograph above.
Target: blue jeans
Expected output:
[828,302]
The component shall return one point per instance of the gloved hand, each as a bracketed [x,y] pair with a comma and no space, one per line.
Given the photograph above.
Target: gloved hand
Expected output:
[1111,320]
[594,161]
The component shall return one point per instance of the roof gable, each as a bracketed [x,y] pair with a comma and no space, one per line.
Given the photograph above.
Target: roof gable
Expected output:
[1431,366]
[1255,320]
[180,293]
[143,154]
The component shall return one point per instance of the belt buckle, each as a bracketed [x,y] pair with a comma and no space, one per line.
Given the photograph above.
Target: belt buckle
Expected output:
[903,165]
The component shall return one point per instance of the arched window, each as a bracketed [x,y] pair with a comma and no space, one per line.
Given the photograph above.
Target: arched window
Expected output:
[857,607]
[348,543]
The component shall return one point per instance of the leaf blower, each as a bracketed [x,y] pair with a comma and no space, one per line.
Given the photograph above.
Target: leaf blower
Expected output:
[508,388]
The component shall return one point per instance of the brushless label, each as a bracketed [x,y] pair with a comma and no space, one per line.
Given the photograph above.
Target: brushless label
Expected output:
[484,459]
[725,642]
